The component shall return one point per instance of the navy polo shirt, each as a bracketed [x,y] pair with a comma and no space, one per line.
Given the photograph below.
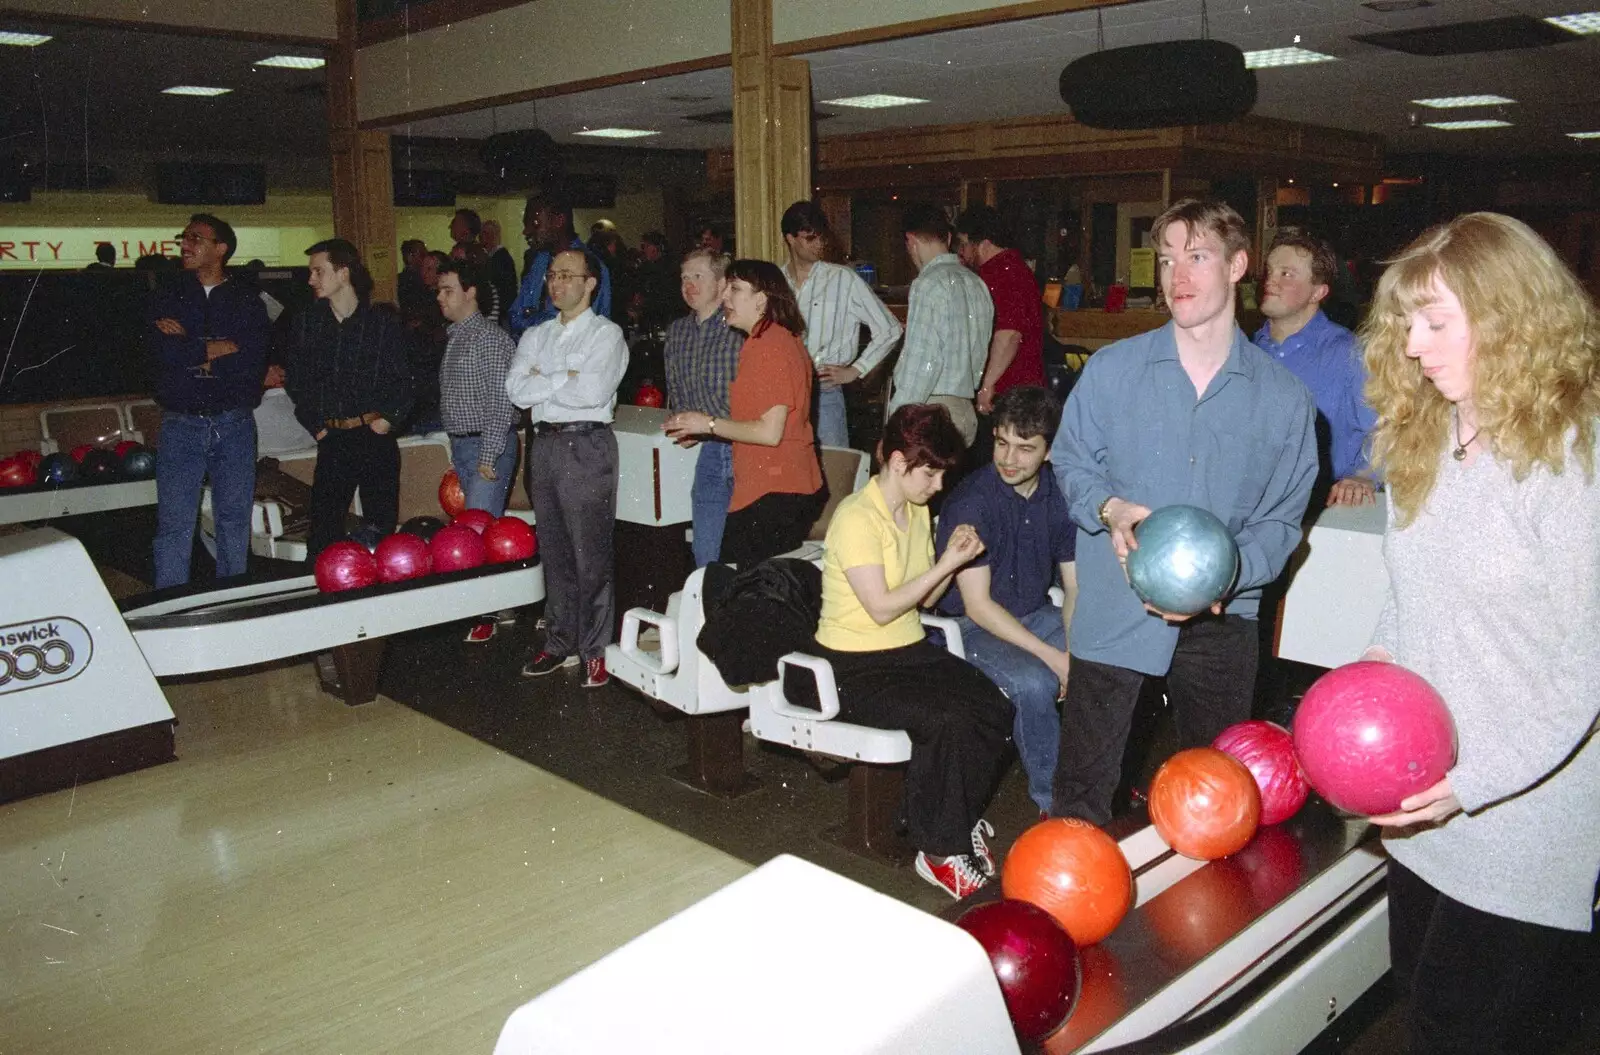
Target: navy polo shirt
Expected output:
[1025,539]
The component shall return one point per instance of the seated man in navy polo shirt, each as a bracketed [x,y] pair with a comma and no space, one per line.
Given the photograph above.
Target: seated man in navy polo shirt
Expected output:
[1011,630]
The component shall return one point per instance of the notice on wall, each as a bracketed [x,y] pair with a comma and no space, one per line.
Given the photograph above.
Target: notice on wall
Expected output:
[1141,268]
[68,248]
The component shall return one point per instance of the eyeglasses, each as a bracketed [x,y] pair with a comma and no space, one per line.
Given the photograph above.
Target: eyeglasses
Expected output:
[565,276]
[190,238]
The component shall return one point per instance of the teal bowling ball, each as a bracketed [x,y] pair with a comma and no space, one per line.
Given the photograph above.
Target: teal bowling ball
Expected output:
[139,464]
[1186,560]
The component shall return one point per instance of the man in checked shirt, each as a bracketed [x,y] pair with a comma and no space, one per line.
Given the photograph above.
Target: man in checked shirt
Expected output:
[702,355]
[472,399]
[835,303]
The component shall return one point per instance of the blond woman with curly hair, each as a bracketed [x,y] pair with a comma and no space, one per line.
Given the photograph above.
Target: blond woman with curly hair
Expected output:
[1483,364]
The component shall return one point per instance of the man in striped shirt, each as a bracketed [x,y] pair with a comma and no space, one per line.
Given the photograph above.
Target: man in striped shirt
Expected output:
[835,303]
[702,355]
[947,324]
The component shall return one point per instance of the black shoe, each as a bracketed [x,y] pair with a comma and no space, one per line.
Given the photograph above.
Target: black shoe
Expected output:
[544,663]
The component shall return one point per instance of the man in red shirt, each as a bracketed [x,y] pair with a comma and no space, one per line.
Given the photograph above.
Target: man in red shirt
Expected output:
[1016,348]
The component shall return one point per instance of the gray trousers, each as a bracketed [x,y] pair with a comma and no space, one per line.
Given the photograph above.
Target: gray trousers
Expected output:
[573,486]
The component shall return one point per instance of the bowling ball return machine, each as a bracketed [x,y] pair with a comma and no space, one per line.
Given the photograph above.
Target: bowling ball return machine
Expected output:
[78,675]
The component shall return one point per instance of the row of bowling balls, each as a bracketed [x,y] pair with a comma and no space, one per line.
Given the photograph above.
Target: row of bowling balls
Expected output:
[1366,737]
[423,546]
[85,463]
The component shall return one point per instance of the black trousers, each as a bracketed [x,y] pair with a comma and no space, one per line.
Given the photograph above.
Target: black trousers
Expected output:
[1476,982]
[348,460]
[960,729]
[1210,684]
[574,477]
[774,523]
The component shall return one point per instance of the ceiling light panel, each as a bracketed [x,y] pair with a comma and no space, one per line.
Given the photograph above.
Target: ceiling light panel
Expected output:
[1583,135]
[292,62]
[23,40]
[1456,102]
[1274,57]
[1587,22]
[195,89]
[1465,126]
[617,133]
[874,102]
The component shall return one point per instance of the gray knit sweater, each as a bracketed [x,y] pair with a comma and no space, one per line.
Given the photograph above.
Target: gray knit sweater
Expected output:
[1494,597]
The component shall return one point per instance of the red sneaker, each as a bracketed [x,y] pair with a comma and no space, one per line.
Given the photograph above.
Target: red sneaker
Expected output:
[957,876]
[481,633]
[594,672]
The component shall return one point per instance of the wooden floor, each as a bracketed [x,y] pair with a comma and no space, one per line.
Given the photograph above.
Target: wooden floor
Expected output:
[310,877]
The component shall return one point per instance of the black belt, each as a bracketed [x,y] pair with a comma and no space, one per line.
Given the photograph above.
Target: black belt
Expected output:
[464,435]
[545,428]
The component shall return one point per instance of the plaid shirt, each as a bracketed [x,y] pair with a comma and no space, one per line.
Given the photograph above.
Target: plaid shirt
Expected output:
[702,358]
[947,334]
[343,369]
[472,385]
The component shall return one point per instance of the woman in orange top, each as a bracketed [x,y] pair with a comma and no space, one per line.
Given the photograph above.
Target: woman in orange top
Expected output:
[777,483]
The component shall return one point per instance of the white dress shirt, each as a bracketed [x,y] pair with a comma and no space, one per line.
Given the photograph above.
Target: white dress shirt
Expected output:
[569,371]
[836,303]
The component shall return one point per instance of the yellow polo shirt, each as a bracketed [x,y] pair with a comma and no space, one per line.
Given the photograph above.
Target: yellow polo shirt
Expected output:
[862,533]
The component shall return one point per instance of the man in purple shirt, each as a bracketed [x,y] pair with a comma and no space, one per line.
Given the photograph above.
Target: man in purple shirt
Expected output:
[1010,629]
[1323,355]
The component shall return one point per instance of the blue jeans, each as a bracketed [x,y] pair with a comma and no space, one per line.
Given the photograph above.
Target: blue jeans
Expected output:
[713,489]
[833,428]
[222,447]
[1031,687]
[487,495]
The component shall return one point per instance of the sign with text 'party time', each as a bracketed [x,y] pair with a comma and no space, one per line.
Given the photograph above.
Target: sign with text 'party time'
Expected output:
[68,248]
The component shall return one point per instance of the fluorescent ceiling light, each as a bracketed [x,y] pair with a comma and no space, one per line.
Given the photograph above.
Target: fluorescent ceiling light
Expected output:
[617,133]
[1263,60]
[292,62]
[1583,135]
[23,40]
[1588,22]
[1463,126]
[1452,102]
[874,102]
[194,89]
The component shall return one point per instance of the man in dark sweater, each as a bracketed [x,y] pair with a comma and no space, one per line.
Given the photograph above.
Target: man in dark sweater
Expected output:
[210,338]
[350,379]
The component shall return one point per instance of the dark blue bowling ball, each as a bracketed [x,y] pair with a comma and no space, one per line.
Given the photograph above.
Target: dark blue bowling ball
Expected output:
[58,469]
[423,527]
[139,464]
[1186,560]
[368,534]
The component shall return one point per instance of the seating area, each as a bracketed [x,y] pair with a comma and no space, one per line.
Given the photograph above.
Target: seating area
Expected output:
[99,424]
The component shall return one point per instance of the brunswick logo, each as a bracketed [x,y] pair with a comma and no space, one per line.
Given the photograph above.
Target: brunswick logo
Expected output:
[43,652]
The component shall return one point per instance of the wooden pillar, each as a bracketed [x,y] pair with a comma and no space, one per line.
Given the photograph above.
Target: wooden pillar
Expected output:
[1266,221]
[771,132]
[363,176]
[837,208]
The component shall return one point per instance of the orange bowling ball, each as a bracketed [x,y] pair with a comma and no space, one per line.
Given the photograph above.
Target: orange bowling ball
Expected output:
[1075,872]
[451,499]
[1205,803]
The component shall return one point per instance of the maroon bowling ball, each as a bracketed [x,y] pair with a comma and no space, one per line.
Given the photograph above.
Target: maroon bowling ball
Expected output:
[121,450]
[456,548]
[1267,751]
[15,472]
[476,519]
[402,556]
[30,458]
[80,450]
[1034,959]
[1370,735]
[509,539]
[345,566]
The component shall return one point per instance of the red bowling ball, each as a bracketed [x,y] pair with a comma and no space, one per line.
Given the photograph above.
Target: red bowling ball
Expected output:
[345,566]
[1267,751]
[30,457]
[402,556]
[476,519]
[14,472]
[456,548]
[1204,803]
[509,539]
[451,498]
[1370,735]
[121,450]
[1034,960]
[80,450]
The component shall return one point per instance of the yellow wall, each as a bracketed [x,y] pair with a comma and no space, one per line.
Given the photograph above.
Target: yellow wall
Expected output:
[534,46]
[794,20]
[634,214]
[289,18]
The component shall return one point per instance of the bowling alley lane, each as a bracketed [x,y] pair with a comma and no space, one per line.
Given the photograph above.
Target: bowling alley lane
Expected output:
[315,877]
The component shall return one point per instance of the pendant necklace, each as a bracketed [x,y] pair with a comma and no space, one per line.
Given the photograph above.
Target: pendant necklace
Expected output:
[1460,453]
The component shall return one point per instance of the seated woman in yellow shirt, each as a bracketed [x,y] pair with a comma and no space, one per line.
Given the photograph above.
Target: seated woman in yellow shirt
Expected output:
[877,571]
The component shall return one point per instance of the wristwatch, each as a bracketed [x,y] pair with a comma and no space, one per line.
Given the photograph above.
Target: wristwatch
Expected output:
[711,425]
[1100,514]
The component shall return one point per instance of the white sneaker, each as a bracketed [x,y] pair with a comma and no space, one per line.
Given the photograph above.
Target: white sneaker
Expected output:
[980,848]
